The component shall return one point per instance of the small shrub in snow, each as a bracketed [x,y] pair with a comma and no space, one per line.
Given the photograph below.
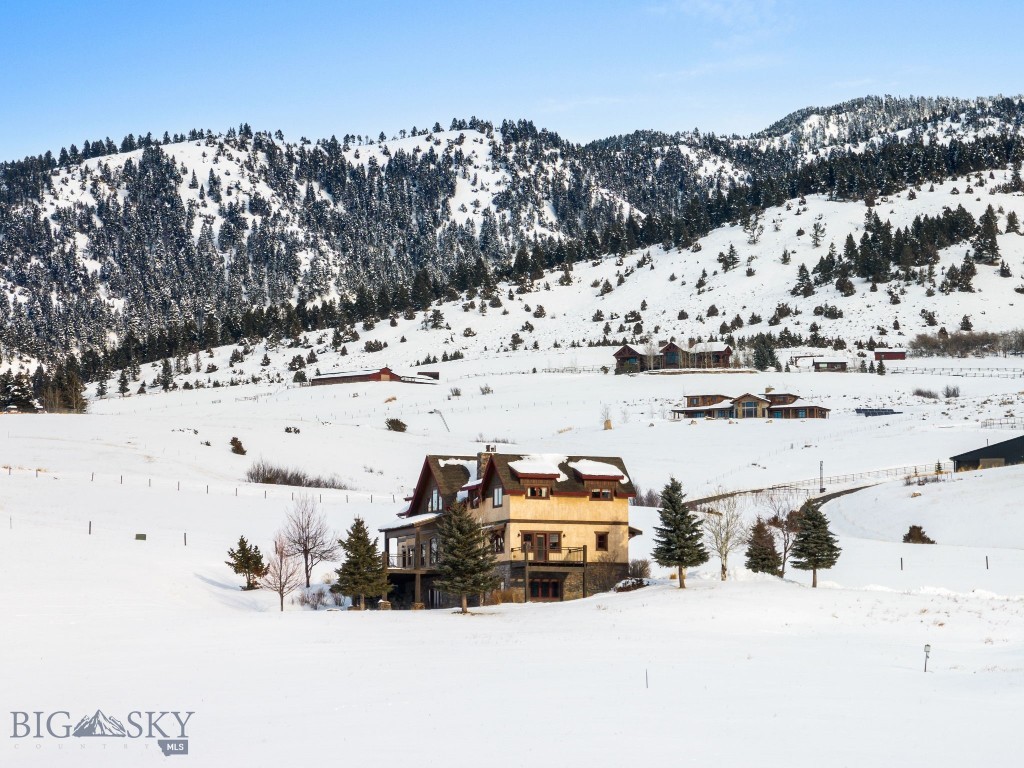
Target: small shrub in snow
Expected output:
[640,568]
[264,472]
[630,585]
[950,391]
[931,394]
[236,446]
[395,425]
[916,535]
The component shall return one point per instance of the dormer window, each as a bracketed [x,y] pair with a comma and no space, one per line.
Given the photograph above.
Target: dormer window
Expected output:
[537,492]
[435,501]
[601,494]
[498,496]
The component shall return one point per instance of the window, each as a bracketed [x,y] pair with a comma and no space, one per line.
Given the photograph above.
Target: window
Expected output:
[801,414]
[537,492]
[498,497]
[554,542]
[435,501]
[600,494]
[601,543]
[423,555]
[433,550]
[527,542]
[545,589]
[498,542]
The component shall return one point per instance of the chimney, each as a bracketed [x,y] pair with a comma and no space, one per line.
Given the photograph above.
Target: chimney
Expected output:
[482,460]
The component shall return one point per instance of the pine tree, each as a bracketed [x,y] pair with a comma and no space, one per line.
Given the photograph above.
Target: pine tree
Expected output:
[986,246]
[815,545]
[247,561]
[166,375]
[122,383]
[762,554]
[764,353]
[679,540]
[804,285]
[467,558]
[363,572]
[880,370]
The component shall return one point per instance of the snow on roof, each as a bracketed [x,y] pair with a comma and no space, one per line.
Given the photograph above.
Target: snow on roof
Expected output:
[709,346]
[830,360]
[469,465]
[356,372]
[798,403]
[540,464]
[591,468]
[405,522]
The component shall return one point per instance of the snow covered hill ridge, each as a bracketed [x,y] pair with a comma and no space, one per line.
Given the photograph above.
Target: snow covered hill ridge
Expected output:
[106,247]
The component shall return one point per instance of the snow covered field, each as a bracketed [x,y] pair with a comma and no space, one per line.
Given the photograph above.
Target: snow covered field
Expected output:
[751,671]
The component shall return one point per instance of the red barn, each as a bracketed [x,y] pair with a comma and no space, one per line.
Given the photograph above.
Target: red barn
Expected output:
[890,353]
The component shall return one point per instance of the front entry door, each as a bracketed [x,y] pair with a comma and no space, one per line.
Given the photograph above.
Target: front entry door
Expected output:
[540,544]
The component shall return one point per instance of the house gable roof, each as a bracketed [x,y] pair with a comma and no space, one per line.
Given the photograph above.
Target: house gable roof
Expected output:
[750,396]
[449,473]
[1012,448]
[626,351]
[566,473]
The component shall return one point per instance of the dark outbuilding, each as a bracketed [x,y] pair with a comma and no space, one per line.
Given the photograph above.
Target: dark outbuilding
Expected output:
[996,455]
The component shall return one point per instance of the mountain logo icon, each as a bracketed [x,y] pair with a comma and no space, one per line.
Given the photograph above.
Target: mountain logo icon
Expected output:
[99,725]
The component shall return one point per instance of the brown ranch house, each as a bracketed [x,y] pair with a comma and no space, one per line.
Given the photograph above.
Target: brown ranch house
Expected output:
[670,356]
[771,405]
[559,525]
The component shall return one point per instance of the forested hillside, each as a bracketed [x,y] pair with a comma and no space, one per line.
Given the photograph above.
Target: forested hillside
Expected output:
[120,253]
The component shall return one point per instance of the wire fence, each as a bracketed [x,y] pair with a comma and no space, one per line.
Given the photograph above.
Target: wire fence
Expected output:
[161,484]
[987,373]
[1007,423]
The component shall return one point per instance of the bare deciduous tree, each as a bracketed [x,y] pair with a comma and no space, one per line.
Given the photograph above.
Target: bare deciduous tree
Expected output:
[308,536]
[651,353]
[284,573]
[725,530]
[784,519]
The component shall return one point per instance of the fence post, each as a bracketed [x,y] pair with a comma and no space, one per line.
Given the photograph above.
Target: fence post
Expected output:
[185,534]
[90,527]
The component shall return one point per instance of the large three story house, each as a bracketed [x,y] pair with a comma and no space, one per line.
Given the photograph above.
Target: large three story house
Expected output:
[554,522]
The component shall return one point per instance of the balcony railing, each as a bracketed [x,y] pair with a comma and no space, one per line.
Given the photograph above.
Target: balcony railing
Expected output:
[405,562]
[563,556]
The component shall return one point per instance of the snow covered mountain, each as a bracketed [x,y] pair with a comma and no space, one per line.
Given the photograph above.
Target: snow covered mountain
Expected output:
[154,248]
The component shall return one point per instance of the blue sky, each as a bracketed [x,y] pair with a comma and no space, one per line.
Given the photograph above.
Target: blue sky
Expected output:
[84,70]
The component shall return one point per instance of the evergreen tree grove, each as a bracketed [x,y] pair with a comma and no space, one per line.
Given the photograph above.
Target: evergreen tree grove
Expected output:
[679,540]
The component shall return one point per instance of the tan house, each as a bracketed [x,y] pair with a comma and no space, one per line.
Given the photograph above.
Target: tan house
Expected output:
[557,524]
[772,405]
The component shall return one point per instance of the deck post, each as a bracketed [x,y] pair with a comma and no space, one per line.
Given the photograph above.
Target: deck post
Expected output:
[584,570]
[526,575]
[417,598]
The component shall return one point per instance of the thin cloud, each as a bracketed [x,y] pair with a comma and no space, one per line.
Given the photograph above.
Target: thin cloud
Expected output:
[558,106]
[720,66]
